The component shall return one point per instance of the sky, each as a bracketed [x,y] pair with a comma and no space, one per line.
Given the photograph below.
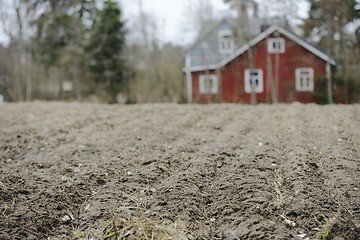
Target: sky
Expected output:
[169,14]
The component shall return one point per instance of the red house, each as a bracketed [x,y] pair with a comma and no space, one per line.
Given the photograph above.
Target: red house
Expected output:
[275,66]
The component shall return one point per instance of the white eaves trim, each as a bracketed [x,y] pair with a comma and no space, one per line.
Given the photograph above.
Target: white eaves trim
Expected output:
[258,39]
[202,68]
[307,46]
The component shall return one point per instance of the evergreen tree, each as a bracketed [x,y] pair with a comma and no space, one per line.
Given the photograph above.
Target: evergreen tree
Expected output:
[327,21]
[53,36]
[326,25]
[106,47]
[59,42]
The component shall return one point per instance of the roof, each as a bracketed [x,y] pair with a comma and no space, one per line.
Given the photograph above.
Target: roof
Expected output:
[253,26]
[297,39]
[211,26]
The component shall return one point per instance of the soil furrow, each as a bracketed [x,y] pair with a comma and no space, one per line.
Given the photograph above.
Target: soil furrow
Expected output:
[192,171]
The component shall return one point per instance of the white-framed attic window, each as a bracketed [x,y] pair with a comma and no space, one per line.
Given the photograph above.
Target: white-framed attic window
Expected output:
[304,78]
[226,42]
[276,45]
[254,81]
[208,84]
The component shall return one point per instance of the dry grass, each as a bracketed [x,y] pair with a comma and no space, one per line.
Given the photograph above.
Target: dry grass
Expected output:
[136,227]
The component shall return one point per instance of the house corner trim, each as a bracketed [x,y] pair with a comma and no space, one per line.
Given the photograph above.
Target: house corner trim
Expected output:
[188,78]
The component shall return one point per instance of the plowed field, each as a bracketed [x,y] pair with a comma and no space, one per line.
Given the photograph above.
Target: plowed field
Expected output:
[84,171]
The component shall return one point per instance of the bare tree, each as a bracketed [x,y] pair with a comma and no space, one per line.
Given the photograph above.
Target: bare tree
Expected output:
[244,38]
[15,18]
[157,68]
[198,14]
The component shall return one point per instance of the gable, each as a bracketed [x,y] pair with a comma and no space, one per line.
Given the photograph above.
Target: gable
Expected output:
[209,30]
[205,51]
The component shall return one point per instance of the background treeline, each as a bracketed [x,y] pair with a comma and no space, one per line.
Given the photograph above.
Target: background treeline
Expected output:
[335,27]
[76,50]
[80,49]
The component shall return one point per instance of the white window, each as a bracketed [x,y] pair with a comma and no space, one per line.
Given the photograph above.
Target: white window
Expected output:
[67,86]
[254,81]
[304,79]
[276,45]
[208,84]
[226,42]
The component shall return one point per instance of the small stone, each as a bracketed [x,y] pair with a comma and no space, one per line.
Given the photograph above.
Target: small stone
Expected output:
[261,144]
[129,173]
[77,170]
[65,218]
[212,219]
[153,190]
[302,235]
[288,222]
[87,207]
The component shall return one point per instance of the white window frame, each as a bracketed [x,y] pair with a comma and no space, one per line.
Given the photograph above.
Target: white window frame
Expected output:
[259,88]
[279,42]
[303,75]
[67,86]
[214,86]
[226,42]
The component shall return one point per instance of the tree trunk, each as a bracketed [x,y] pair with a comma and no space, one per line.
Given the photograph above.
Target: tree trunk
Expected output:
[329,46]
[251,65]
[218,74]
[277,73]
[29,82]
[269,80]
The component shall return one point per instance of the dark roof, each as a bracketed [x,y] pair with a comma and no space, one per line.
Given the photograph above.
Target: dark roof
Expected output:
[254,26]
[299,40]
[207,29]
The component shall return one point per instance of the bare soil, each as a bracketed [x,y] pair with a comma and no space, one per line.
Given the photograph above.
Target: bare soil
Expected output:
[73,171]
